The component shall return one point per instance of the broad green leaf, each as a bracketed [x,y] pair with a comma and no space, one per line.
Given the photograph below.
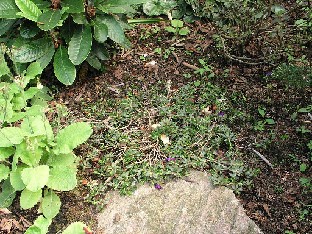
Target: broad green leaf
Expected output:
[34,230]
[37,126]
[7,194]
[123,2]
[6,111]
[8,9]
[29,10]
[115,31]
[47,58]
[18,102]
[62,178]
[6,152]
[184,31]
[94,61]
[40,226]
[29,29]
[4,69]
[61,159]
[16,179]
[303,110]
[30,51]
[29,152]
[49,19]
[10,136]
[51,204]
[74,6]
[170,29]
[270,121]
[16,117]
[75,228]
[177,23]
[122,9]
[35,178]
[35,110]
[80,18]
[34,69]
[5,25]
[80,44]
[100,31]
[73,135]
[100,51]
[29,199]
[4,172]
[42,5]
[64,69]
[158,7]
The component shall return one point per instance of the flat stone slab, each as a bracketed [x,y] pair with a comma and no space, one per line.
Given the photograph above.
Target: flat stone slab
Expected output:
[186,206]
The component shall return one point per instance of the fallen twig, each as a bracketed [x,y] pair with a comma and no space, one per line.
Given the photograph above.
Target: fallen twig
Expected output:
[262,157]
[190,66]
[238,59]
[176,57]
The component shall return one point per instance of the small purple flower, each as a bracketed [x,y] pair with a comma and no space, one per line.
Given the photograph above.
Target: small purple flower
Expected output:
[170,159]
[157,186]
[269,73]
[221,114]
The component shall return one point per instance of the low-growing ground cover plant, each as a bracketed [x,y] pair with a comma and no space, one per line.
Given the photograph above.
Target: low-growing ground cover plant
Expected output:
[154,135]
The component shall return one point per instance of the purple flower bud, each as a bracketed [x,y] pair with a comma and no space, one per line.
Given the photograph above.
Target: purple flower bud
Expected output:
[157,186]
[221,114]
[269,73]
[170,159]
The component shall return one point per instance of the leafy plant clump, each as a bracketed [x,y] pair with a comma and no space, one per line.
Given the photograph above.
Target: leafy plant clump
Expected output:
[64,33]
[34,163]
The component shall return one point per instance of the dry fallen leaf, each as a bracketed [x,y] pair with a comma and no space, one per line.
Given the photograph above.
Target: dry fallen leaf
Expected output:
[150,64]
[165,139]
[5,211]
[207,110]
[154,126]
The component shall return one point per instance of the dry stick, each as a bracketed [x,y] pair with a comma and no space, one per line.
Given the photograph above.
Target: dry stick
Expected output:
[238,59]
[190,66]
[176,57]
[262,157]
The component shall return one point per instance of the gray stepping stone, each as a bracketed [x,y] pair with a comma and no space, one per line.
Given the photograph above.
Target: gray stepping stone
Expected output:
[185,206]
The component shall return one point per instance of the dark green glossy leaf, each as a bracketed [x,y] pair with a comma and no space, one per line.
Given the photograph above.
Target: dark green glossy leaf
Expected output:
[94,61]
[80,44]
[47,58]
[100,51]
[100,31]
[29,29]
[80,18]
[49,19]
[7,194]
[8,9]
[30,51]
[5,25]
[115,31]
[64,69]
[74,6]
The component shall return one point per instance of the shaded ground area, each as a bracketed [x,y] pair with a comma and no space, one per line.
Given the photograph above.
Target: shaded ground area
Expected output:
[277,201]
